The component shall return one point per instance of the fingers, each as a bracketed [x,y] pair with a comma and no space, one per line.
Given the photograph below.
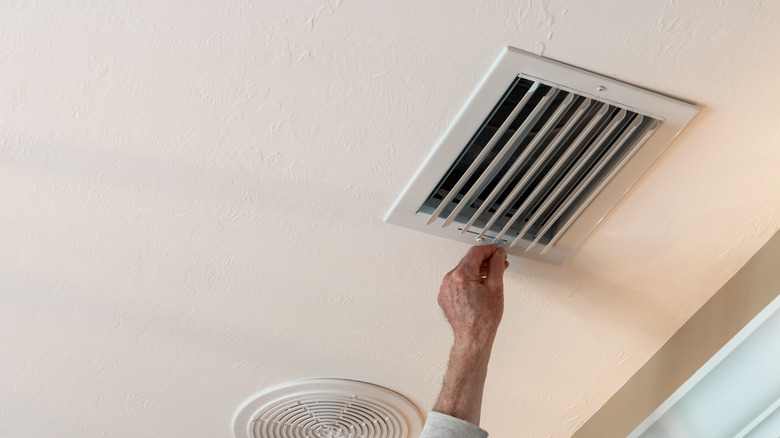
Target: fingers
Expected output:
[473,260]
[483,269]
[496,267]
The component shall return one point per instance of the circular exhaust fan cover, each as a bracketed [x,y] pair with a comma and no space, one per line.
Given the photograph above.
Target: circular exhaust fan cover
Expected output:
[328,408]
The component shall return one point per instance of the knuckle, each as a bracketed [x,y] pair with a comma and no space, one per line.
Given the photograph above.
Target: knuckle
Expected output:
[458,276]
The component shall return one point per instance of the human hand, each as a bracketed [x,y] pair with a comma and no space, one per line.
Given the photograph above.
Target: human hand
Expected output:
[472,295]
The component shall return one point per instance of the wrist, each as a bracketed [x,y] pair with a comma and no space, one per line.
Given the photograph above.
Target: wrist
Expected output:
[461,394]
[471,347]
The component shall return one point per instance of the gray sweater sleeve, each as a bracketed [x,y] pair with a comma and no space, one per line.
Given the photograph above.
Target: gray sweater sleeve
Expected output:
[444,426]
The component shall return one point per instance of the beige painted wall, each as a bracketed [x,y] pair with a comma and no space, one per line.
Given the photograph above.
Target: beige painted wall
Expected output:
[708,330]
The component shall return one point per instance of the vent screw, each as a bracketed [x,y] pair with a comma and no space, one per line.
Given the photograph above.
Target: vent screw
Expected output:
[601,88]
[480,239]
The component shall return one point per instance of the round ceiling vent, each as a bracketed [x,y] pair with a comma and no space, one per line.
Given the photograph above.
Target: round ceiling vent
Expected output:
[328,408]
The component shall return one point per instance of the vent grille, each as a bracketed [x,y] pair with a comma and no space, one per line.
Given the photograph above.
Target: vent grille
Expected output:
[538,157]
[535,163]
[330,416]
[328,408]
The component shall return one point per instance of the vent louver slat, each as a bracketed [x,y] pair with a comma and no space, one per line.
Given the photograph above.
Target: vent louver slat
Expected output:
[509,175]
[483,153]
[604,180]
[501,188]
[531,148]
[576,179]
[538,157]
[534,196]
[509,145]
[569,173]
[522,185]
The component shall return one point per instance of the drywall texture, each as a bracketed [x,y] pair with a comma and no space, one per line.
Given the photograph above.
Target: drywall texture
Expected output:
[191,197]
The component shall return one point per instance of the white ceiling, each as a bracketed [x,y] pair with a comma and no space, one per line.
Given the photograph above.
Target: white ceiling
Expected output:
[192,198]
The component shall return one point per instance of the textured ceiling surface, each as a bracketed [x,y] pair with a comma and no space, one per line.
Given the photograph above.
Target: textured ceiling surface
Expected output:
[191,198]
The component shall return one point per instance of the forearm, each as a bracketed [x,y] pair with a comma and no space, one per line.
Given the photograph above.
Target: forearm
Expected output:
[472,297]
[464,381]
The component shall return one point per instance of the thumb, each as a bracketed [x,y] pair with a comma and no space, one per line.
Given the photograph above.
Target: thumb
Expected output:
[496,267]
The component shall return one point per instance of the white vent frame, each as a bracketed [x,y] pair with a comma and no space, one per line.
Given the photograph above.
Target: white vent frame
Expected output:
[674,115]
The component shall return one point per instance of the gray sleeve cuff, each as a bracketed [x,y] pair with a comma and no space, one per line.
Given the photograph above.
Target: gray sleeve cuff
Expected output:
[444,426]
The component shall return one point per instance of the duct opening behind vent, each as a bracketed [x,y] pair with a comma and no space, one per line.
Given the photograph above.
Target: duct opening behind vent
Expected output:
[538,159]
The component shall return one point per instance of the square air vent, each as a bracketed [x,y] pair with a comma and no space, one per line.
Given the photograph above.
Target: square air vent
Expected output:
[539,155]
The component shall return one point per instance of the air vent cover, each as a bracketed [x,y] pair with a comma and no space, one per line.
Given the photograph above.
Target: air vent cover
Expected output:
[538,157]
[328,408]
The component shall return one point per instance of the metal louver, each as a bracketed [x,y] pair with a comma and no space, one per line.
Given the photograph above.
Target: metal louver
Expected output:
[538,157]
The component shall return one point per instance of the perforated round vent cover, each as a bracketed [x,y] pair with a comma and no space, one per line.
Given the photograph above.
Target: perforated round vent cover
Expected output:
[328,408]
